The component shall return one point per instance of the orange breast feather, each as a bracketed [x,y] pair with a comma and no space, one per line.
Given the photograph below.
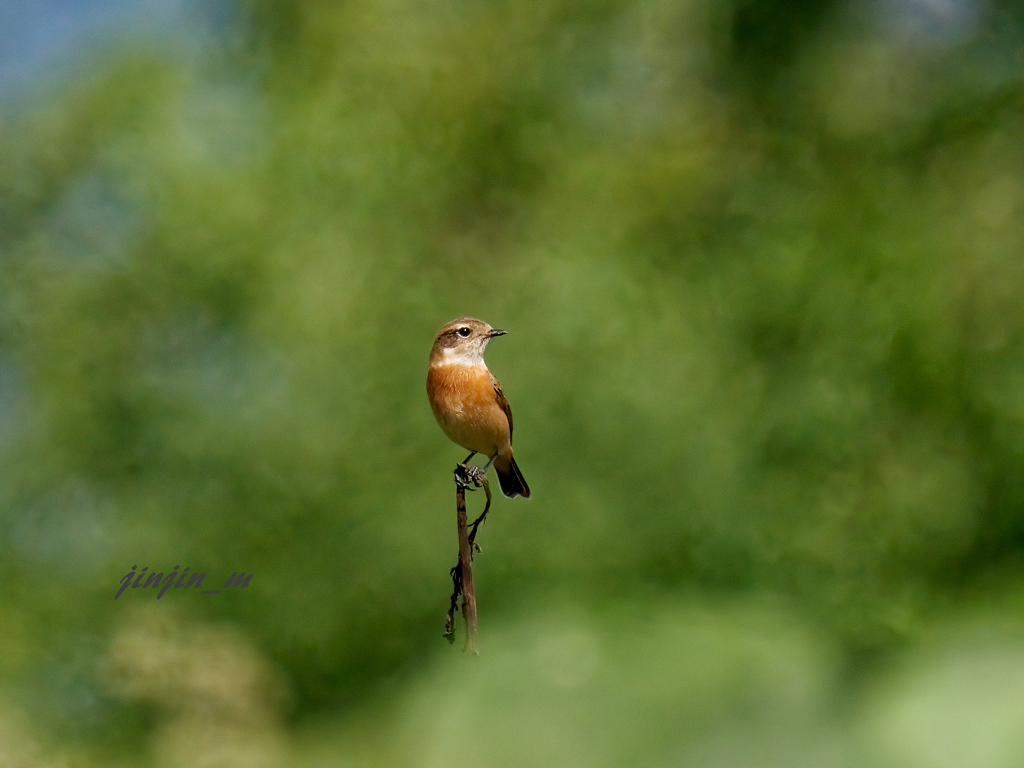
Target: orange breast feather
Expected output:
[466,406]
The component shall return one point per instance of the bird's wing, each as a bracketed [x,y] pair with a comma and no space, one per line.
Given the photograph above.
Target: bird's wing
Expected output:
[503,402]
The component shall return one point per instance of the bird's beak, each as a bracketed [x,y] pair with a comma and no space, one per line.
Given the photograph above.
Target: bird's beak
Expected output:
[496,332]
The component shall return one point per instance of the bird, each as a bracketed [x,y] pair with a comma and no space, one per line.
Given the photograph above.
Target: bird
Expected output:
[468,402]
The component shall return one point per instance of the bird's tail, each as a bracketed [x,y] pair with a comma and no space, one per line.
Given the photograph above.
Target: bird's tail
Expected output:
[510,478]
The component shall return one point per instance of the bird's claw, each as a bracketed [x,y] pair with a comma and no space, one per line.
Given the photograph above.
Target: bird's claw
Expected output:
[470,476]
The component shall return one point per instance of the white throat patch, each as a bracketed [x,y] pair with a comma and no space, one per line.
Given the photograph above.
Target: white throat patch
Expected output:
[471,357]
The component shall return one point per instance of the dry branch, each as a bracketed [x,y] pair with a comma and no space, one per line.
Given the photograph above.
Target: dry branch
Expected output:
[462,574]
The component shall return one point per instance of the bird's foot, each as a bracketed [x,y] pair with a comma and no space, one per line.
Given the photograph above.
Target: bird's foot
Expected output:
[470,476]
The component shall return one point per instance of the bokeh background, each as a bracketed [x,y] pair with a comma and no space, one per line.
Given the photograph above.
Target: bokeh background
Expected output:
[761,266]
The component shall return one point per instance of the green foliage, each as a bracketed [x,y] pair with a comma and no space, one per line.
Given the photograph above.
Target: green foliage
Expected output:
[759,263]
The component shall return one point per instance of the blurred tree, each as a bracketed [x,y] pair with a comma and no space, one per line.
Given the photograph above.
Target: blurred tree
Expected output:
[759,260]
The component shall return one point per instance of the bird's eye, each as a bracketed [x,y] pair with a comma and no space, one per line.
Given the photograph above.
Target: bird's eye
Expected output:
[463,332]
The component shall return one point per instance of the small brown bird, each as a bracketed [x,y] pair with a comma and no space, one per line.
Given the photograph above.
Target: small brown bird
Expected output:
[468,402]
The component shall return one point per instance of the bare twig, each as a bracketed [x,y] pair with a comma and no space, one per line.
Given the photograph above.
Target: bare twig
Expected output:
[472,530]
[462,574]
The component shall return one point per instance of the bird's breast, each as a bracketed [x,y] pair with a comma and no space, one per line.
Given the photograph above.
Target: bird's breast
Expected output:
[466,406]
